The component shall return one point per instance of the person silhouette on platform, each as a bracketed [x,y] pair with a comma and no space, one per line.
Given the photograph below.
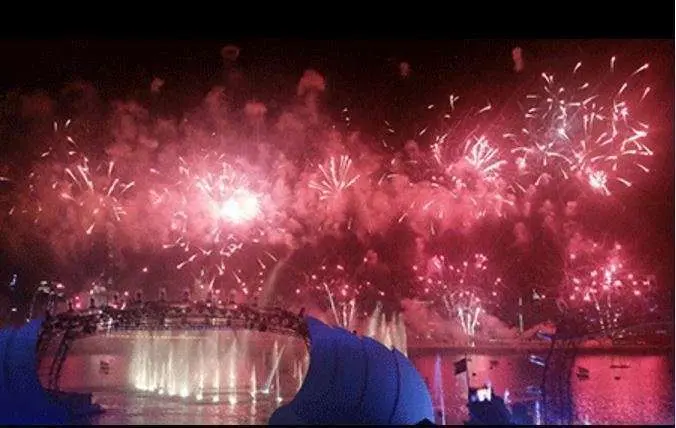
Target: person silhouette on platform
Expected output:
[520,415]
[489,410]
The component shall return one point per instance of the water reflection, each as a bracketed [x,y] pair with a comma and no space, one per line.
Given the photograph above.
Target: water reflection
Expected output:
[641,383]
[640,394]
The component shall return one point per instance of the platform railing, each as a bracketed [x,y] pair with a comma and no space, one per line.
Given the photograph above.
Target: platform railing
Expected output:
[68,326]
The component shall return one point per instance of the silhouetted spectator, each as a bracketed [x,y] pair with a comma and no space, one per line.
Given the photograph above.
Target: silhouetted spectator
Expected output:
[520,415]
[488,412]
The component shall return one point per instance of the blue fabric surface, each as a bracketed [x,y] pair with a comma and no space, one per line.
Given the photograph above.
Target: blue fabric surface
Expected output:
[355,380]
[23,400]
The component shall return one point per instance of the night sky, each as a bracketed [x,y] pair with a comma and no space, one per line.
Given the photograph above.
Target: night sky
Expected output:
[363,76]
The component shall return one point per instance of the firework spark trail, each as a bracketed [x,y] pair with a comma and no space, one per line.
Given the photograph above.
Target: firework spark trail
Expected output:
[96,192]
[465,175]
[215,216]
[483,157]
[466,290]
[600,285]
[215,205]
[336,177]
[467,307]
[336,286]
[572,132]
[463,129]
[332,304]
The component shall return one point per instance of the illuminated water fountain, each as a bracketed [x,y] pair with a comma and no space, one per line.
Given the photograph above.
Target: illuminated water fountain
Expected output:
[210,365]
[391,333]
[438,392]
[276,357]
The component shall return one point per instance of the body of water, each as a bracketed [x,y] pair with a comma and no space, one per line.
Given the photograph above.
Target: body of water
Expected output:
[620,389]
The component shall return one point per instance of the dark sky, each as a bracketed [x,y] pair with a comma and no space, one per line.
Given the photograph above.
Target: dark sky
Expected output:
[123,65]
[358,73]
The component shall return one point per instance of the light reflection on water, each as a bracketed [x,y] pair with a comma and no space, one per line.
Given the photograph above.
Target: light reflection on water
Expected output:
[643,393]
[640,394]
[139,408]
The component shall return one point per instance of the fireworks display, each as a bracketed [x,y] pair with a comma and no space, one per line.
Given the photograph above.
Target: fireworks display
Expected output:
[465,289]
[335,178]
[214,214]
[603,288]
[580,129]
[222,201]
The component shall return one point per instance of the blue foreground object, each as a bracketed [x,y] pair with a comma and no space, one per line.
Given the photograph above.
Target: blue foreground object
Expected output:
[23,400]
[355,380]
